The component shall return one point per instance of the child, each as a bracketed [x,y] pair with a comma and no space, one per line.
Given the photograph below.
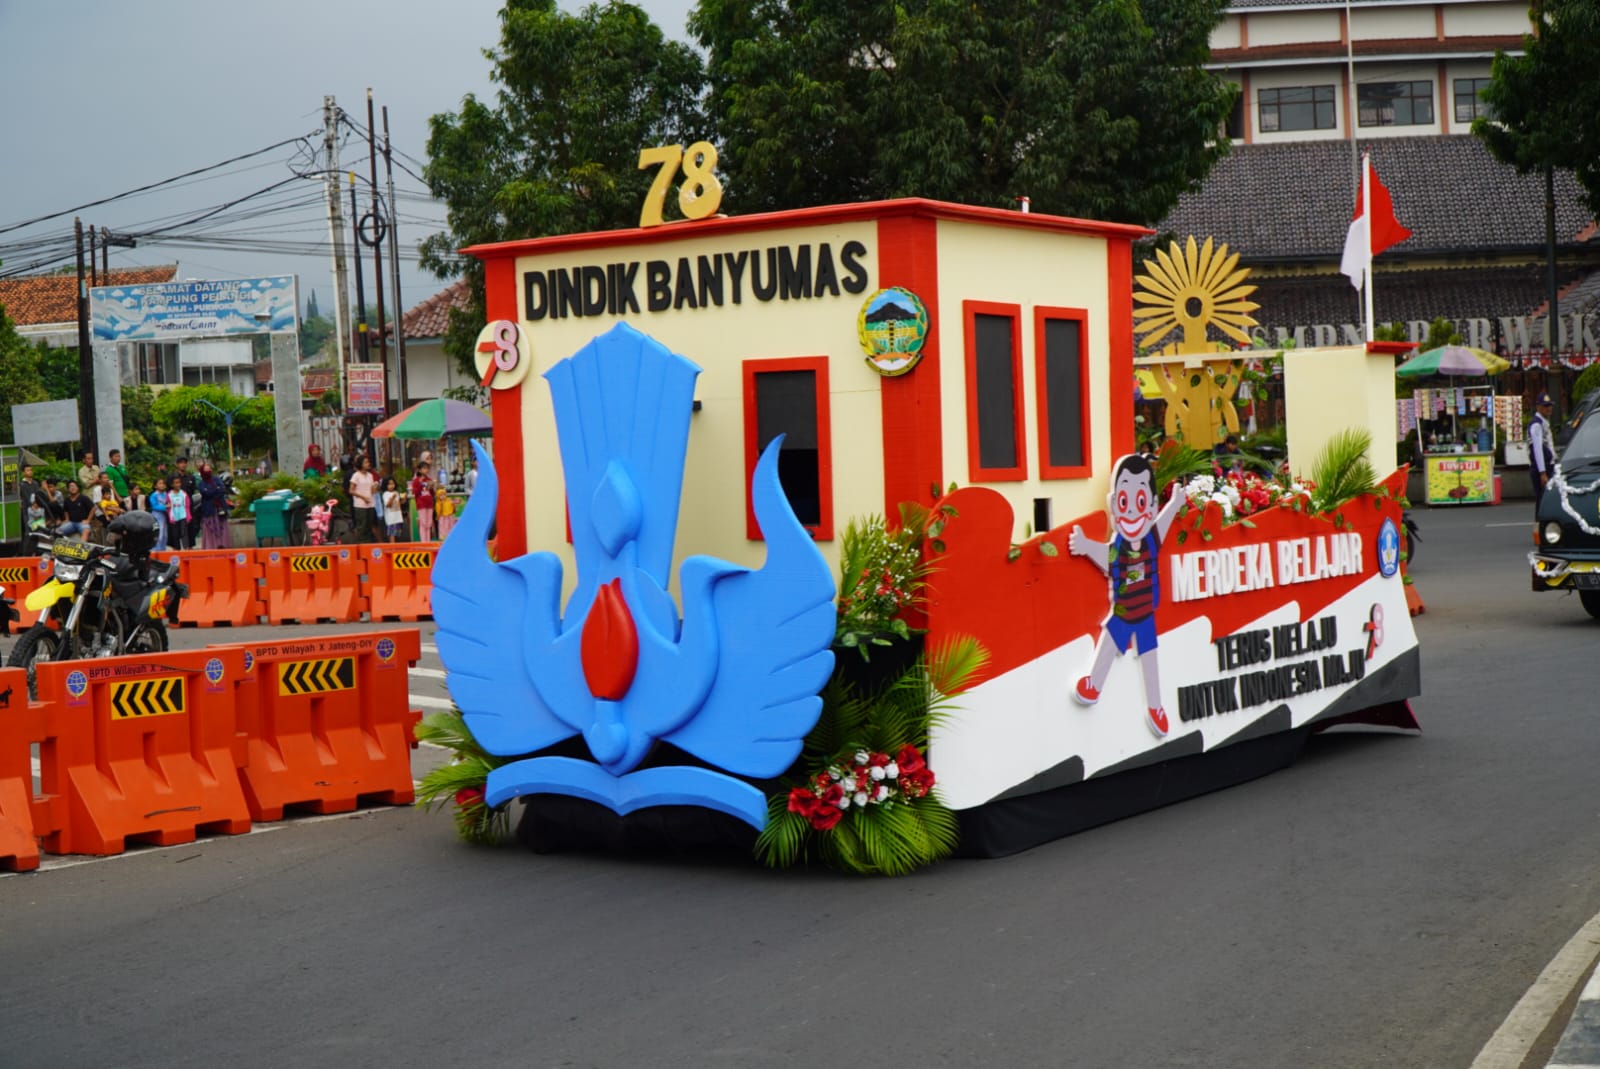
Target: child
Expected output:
[179,513]
[36,516]
[444,507]
[393,518]
[158,509]
[422,493]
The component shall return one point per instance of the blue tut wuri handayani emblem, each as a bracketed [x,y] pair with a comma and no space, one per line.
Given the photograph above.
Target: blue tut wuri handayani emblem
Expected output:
[733,680]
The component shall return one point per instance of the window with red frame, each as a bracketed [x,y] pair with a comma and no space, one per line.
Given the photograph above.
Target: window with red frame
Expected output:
[790,397]
[995,449]
[1061,375]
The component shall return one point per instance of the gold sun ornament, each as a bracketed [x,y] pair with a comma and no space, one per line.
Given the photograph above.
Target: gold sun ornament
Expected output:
[1195,287]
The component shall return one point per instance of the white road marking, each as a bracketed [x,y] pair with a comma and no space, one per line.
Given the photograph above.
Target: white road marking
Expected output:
[1524,523]
[422,702]
[428,673]
[428,647]
[1509,1046]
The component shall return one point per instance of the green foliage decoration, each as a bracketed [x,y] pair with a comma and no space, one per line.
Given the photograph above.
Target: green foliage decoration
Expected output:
[460,782]
[910,828]
[1341,470]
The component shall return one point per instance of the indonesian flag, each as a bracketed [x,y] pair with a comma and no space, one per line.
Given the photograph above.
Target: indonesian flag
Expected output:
[1370,231]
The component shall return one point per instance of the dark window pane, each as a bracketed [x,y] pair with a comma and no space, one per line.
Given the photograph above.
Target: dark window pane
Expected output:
[1063,386]
[786,403]
[997,391]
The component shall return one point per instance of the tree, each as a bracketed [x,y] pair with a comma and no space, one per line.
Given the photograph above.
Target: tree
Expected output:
[315,333]
[1097,108]
[20,380]
[147,441]
[1544,105]
[557,153]
[199,410]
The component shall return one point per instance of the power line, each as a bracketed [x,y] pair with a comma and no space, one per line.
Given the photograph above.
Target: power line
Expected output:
[153,185]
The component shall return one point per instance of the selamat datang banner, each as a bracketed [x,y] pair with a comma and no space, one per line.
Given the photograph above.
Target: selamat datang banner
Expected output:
[169,311]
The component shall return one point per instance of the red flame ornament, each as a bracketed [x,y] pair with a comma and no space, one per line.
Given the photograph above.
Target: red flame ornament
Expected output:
[610,645]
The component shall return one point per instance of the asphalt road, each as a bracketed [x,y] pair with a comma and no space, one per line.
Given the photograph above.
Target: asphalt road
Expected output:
[1386,901]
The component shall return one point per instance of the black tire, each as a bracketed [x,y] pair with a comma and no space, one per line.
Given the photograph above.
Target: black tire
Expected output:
[1591,602]
[152,638]
[37,640]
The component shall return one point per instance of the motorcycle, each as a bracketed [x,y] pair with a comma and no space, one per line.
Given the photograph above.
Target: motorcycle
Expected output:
[99,601]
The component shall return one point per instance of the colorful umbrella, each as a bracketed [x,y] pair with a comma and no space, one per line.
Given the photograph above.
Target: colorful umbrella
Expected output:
[1453,360]
[436,418]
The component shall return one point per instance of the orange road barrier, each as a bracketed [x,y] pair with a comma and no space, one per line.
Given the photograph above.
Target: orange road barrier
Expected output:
[327,722]
[21,576]
[400,580]
[224,587]
[305,584]
[145,748]
[21,727]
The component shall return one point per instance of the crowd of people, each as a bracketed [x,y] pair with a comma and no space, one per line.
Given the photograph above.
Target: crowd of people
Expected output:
[190,506]
[378,503]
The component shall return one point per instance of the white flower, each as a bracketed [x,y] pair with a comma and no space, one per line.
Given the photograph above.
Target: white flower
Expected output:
[861,798]
[849,784]
[861,757]
[891,771]
[876,773]
[844,802]
[880,794]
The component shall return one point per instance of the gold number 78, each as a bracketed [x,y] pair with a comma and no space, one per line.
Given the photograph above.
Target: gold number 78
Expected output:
[699,196]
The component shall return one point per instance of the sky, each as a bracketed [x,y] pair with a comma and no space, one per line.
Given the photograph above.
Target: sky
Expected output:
[106,96]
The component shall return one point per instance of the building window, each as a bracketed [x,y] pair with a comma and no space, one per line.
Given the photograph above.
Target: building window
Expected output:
[1469,105]
[1395,103]
[790,397]
[157,363]
[1305,107]
[1061,375]
[995,450]
[1234,126]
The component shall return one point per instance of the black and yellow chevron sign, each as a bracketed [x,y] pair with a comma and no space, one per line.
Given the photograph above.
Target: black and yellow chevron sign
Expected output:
[156,696]
[15,575]
[413,562]
[314,563]
[316,677]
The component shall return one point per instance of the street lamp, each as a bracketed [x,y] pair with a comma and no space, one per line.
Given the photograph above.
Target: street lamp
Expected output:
[227,421]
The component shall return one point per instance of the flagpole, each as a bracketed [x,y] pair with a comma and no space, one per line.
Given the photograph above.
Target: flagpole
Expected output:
[1366,209]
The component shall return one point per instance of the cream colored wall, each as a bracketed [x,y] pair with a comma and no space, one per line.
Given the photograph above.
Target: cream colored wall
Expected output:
[1226,33]
[978,263]
[1326,391]
[1292,27]
[712,512]
[1372,24]
[1468,20]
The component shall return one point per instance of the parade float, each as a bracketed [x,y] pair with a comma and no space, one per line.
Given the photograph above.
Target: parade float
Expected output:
[1048,632]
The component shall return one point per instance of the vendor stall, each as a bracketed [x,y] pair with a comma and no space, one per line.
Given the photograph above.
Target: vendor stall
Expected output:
[1456,424]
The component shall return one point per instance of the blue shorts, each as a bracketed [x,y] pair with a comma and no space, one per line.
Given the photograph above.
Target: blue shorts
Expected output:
[1122,633]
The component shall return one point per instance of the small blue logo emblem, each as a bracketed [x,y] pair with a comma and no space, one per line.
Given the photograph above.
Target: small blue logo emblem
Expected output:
[385,648]
[214,670]
[77,683]
[1388,549]
[249,660]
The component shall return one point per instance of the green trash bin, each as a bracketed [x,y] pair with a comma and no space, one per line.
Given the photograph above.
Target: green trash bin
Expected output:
[279,515]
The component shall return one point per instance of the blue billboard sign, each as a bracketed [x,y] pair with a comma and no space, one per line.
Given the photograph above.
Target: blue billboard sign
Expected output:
[168,311]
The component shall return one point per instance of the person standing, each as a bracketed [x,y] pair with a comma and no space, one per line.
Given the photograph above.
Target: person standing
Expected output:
[158,509]
[27,487]
[314,464]
[422,494]
[183,482]
[393,515]
[213,510]
[472,476]
[180,515]
[118,473]
[1541,448]
[363,486]
[88,473]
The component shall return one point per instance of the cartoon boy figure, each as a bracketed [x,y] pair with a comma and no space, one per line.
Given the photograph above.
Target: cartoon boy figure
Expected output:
[1132,563]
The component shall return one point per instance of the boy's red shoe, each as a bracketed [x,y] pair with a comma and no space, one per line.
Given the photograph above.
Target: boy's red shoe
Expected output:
[1085,693]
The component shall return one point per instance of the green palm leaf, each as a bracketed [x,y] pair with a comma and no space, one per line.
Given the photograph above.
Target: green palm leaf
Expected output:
[1342,471]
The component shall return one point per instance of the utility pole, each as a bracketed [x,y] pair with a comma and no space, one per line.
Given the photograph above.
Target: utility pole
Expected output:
[377,249]
[85,354]
[105,256]
[394,265]
[94,279]
[341,274]
[361,296]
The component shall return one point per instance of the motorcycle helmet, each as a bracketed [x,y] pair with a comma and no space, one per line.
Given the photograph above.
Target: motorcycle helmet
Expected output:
[135,531]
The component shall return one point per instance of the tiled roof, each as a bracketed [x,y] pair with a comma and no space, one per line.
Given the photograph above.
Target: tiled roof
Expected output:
[1291,201]
[1418,46]
[35,299]
[1460,295]
[430,318]
[318,381]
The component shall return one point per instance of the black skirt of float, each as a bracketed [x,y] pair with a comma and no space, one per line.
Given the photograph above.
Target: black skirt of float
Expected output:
[1060,802]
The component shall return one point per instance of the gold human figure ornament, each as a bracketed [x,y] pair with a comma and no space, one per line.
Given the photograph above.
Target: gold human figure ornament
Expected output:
[1195,287]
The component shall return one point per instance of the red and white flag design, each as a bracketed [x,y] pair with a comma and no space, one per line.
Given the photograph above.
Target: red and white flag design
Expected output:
[1371,231]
